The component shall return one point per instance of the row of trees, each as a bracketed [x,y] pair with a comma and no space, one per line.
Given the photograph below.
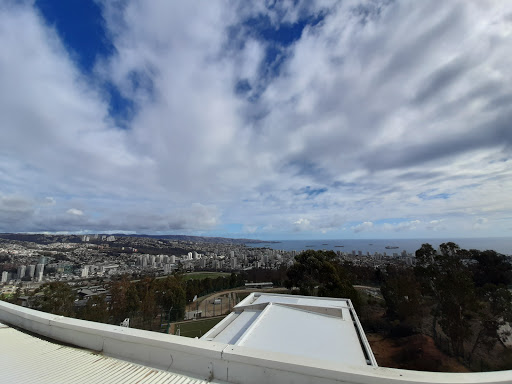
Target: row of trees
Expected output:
[464,293]
[459,297]
[144,301]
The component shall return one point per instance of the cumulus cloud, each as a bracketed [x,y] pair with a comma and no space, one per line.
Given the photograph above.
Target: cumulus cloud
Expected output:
[373,111]
[74,211]
[365,226]
[403,226]
[302,225]
[436,225]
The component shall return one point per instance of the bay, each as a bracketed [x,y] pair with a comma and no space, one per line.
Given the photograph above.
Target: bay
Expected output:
[499,244]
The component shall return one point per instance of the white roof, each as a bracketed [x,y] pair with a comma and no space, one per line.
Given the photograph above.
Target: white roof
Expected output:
[300,300]
[28,359]
[313,327]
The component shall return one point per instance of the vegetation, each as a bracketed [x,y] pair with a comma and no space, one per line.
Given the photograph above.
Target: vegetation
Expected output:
[454,299]
[196,328]
[464,294]
[57,298]
[320,273]
[204,275]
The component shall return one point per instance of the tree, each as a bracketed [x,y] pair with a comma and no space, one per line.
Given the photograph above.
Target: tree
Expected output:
[402,293]
[457,303]
[492,268]
[124,300]
[57,298]
[146,292]
[171,295]
[319,272]
[96,309]
[493,315]
[449,282]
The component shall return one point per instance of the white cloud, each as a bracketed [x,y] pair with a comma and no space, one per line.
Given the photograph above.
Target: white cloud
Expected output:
[365,226]
[302,225]
[436,225]
[402,226]
[74,211]
[397,112]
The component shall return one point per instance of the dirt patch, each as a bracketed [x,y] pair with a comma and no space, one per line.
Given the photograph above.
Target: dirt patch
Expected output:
[417,352]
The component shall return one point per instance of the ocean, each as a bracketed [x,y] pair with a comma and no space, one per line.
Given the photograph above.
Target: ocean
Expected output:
[499,244]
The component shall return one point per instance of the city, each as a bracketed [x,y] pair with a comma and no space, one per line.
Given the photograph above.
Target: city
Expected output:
[93,259]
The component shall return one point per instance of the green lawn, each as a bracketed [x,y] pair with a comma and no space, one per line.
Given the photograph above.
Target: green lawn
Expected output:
[197,328]
[204,275]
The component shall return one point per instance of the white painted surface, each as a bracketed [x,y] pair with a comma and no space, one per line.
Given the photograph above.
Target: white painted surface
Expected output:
[302,333]
[311,327]
[229,363]
[236,328]
[261,298]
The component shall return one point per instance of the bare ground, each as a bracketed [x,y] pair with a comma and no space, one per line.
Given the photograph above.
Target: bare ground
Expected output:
[416,352]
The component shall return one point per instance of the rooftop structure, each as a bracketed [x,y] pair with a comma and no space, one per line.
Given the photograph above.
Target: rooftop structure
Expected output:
[314,327]
[132,355]
[28,359]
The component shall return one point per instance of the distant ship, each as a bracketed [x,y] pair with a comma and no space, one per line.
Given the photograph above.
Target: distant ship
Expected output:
[325,244]
[391,247]
[340,246]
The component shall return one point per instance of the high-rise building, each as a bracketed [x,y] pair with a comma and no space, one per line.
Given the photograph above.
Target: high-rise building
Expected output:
[5,277]
[39,272]
[21,272]
[31,270]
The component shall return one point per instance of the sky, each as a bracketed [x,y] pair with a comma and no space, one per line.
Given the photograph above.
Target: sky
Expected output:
[262,119]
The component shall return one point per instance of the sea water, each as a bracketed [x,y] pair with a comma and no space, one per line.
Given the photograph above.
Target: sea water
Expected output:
[499,244]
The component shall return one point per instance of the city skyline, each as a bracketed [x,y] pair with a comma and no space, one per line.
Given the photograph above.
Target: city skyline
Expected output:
[293,120]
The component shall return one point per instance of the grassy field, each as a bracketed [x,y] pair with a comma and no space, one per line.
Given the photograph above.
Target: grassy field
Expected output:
[197,328]
[204,275]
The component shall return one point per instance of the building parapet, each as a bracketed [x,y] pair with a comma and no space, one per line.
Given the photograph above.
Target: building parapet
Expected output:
[212,360]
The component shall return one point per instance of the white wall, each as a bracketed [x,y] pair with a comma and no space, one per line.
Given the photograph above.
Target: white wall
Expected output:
[216,360]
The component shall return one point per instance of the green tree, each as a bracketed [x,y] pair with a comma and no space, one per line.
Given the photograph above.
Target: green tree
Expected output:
[146,291]
[56,297]
[320,273]
[96,309]
[449,283]
[402,293]
[171,295]
[132,301]
[492,268]
[495,312]
[124,300]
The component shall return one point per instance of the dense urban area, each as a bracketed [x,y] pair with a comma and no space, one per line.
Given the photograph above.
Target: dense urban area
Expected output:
[444,309]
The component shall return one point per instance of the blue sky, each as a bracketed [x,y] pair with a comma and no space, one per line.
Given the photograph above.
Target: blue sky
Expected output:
[272,120]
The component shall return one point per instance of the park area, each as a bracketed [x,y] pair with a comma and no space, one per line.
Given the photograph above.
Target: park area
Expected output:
[204,275]
[195,328]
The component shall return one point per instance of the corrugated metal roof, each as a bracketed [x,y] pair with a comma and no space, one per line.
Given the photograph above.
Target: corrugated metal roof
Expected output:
[28,359]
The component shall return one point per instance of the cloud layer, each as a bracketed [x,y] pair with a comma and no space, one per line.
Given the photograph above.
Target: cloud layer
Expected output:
[301,119]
